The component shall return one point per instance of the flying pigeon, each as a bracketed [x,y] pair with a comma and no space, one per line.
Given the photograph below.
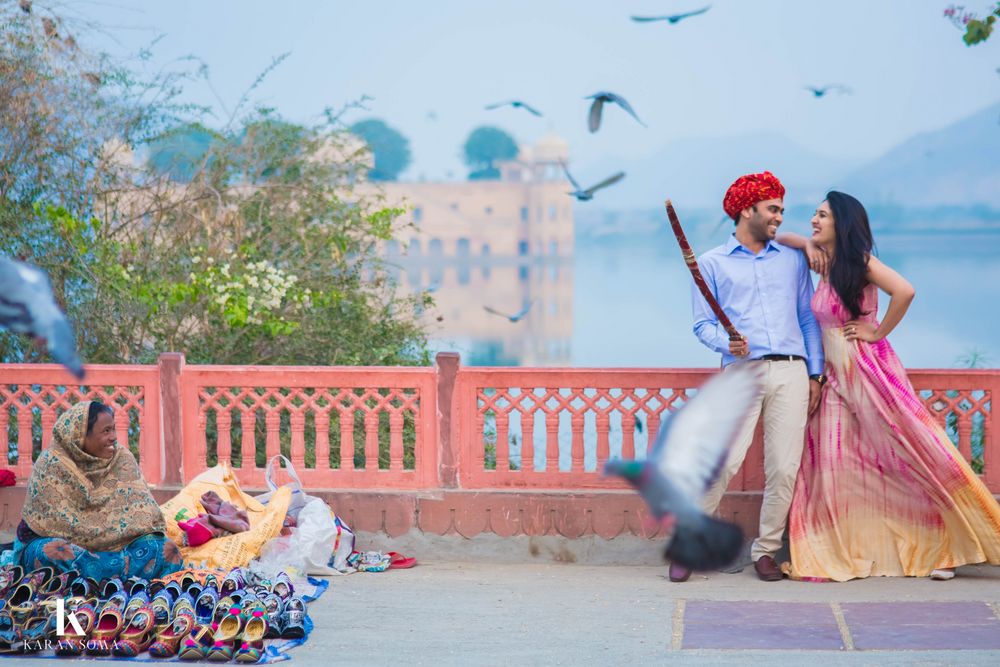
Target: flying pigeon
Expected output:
[517,317]
[28,307]
[588,194]
[673,18]
[516,104]
[820,92]
[600,97]
[690,450]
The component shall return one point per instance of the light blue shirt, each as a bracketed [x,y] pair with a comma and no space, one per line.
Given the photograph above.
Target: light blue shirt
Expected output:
[767,298]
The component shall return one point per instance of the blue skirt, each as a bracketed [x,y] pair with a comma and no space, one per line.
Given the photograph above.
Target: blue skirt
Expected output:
[149,557]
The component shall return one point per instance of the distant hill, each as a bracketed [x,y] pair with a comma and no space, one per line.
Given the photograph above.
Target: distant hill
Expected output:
[958,165]
[696,172]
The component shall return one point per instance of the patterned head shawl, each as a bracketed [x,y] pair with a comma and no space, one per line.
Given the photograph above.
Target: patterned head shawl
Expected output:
[98,504]
[751,189]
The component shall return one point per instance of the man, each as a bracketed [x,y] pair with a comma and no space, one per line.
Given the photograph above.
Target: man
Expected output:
[765,289]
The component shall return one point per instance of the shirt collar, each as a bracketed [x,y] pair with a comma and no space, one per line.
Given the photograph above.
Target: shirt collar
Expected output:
[732,245]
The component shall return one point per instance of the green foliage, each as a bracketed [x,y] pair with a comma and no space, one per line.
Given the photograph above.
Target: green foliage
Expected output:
[484,147]
[390,149]
[249,243]
[976,30]
[979,31]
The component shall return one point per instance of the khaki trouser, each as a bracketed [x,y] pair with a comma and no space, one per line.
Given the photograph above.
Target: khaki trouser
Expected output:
[785,405]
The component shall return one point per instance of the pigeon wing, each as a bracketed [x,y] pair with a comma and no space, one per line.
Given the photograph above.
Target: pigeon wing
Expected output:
[497,105]
[648,19]
[28,307]
[495,312]
[530,109]
[610,180]
[594,120]
[576,186]
[693,445]
[623,103]
[693,13]
[524,311]
[19,287]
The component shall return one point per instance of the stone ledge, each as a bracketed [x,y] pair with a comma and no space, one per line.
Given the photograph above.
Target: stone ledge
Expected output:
[561,514]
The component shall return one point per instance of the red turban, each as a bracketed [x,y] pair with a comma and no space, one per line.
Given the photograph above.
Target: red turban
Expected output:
[750,189]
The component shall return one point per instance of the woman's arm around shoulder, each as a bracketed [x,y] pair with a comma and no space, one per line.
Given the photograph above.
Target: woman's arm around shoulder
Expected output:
[815,256]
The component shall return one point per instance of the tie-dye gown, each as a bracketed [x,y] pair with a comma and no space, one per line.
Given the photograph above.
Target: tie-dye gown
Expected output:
[882,490]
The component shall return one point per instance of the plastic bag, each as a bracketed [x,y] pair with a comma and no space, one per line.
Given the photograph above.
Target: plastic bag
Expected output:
[299,496]
[315,536]
[279,555]
[343,547]
[310,547]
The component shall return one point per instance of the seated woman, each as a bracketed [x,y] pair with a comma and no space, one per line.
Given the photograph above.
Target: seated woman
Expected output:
[88,508]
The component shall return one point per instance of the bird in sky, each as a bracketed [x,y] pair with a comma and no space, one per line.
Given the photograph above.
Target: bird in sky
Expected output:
[685,461]
[600,97]
[517,104]
[820,92]
[588,194]
[432,115]
[517,317]
[28,307]
[672,18]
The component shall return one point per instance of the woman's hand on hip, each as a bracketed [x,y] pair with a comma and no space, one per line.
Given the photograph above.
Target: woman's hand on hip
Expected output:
[858,330]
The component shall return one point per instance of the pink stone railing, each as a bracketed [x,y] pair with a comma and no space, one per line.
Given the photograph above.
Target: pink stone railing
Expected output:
[343,410]
[557,427]
[440,427]
[33,396]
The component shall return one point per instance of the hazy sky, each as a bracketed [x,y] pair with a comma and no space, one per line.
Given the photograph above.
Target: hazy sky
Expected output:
[740,68]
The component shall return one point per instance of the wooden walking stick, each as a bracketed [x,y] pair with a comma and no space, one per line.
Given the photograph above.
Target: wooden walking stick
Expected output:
[692,265]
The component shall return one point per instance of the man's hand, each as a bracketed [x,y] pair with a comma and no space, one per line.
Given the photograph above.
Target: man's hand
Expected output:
[739,348]
[819,261]
[815,391]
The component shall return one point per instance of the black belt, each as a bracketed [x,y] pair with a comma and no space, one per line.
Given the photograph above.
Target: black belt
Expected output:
[780,357]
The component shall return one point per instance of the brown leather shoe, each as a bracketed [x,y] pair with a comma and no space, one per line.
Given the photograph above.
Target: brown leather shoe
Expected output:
[767,569]
[679,573]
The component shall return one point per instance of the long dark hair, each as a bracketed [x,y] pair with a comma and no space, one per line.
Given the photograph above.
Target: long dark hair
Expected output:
[853,248]
[96,408]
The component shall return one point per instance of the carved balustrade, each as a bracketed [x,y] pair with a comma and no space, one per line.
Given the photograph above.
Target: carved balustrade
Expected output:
[442,427]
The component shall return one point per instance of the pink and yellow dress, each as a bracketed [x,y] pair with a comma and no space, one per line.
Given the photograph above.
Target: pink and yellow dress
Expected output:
[882,490]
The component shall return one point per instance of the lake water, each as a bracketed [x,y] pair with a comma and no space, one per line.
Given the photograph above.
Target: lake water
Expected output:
[625,302]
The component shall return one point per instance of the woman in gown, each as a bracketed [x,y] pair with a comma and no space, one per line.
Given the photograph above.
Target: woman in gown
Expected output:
[881,491]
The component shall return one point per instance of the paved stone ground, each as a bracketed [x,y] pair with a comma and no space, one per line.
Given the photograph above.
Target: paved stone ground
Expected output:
[451,613]
[498,614]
